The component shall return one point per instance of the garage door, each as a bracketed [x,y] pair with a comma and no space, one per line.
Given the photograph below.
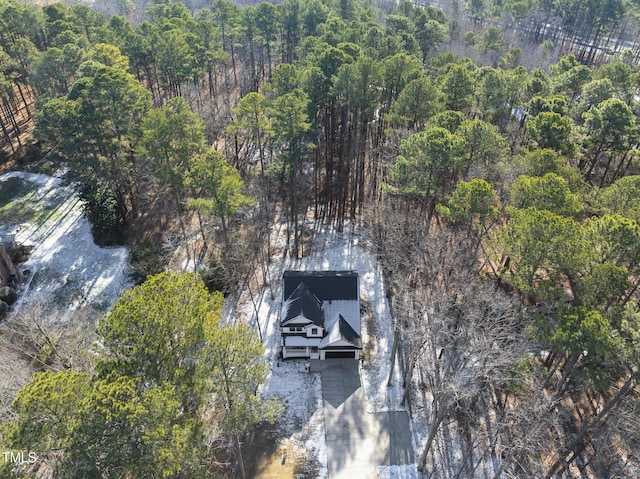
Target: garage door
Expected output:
[339,354]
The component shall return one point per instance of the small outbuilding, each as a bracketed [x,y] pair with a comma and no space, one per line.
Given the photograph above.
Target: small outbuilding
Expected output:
[320,316]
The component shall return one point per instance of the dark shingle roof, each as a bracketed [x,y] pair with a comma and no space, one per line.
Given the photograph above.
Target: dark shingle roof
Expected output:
[325,285]
[348,334]
[340,329]
[302,302]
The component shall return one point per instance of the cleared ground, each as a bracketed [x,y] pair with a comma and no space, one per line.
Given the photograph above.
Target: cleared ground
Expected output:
[66,269]
[269,455]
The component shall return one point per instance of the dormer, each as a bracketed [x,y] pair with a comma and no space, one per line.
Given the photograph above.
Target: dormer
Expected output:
[314,331]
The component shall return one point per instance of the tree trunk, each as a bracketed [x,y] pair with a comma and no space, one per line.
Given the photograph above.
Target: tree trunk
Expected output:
[579,444]
[433,429]
[6,134]
[240,459]
[394,351]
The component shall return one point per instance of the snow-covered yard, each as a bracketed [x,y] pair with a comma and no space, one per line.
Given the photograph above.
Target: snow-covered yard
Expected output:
[66,269]
[299,390]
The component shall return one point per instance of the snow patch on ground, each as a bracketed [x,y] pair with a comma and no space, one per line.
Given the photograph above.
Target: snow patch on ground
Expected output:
[66,267]
[301,396]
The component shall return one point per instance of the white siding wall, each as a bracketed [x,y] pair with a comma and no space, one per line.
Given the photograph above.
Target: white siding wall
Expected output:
[319,332]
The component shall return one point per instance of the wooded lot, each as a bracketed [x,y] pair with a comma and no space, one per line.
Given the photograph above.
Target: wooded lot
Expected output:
[487,150]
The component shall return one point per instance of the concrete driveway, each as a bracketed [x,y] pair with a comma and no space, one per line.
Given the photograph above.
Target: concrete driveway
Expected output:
[358,442]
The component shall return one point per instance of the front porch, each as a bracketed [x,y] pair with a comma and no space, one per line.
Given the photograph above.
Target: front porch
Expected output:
[300,347]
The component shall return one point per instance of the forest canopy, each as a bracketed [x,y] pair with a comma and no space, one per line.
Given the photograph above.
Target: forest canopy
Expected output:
[485,143]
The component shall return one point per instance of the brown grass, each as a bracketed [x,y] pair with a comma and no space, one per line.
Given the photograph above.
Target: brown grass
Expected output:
[263,454]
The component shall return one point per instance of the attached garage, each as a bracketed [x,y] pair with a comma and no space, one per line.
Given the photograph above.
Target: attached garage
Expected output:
[341,340]
[340,354]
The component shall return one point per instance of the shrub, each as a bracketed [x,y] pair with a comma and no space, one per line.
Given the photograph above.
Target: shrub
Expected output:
[101,209]
[8,295]
[147,260]
[216,276]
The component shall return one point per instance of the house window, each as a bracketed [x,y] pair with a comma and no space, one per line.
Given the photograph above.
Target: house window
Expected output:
[314,331]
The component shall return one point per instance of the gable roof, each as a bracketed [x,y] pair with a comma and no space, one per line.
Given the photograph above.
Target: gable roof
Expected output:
[326,285]
[302,302]
[340,330]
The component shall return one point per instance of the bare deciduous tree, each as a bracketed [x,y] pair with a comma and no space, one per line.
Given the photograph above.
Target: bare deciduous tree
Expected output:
[41,338]
[463,342]
[50,338]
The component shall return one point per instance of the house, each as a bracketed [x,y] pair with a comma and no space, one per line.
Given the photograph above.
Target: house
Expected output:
[320,316]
